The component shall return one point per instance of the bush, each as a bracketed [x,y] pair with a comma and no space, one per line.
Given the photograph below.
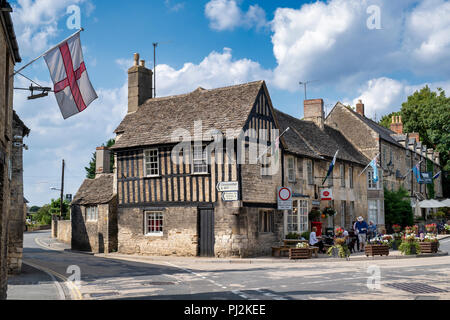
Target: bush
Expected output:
[306,235]
[292,236]
[398,208]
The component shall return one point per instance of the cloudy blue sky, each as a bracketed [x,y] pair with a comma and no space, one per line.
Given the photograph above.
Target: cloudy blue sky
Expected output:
[350,50]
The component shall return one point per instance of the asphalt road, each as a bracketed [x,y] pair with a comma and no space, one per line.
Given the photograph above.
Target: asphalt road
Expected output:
[184,279]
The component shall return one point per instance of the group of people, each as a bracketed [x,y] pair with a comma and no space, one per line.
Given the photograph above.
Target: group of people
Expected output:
[356,241]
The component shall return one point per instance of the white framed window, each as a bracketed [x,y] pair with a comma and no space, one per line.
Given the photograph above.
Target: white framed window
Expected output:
[151,160]
[373,211]
[297,218]
[154,223]
[199,161]
[92,213]
[342,171]
[291,169]
[266,221]
[372,185]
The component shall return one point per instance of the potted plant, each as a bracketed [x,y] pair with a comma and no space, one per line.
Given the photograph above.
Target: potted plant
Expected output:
[397,228]
[431,228]
[378,246]
[429,244]
[301,251]
[292,236]
[447,228]
[339,249]
[410,244]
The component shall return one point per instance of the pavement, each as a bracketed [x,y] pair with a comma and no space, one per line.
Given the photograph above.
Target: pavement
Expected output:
[47,263]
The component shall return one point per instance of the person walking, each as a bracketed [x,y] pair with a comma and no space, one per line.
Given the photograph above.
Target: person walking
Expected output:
[371,230]
[355,232]
[362,228]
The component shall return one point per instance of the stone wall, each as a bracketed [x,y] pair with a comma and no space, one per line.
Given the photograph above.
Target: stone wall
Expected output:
[62,230]
[95,236]
[17,212]
[6,103]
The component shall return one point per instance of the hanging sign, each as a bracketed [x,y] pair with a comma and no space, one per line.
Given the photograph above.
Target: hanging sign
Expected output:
[326,194]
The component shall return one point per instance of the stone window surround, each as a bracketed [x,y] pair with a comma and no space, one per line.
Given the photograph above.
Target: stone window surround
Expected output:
[159,215]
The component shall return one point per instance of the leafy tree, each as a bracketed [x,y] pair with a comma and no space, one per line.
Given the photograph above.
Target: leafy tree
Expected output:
[397,208]
[34,209]
[90,170]
[387,119]
[43,215]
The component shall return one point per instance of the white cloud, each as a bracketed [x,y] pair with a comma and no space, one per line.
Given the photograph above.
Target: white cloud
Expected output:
[216,70]
[174,6]
[330,41]
[226,15]
[385,95]
[36,22]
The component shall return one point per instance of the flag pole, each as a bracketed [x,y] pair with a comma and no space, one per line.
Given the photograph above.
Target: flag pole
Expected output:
[34,60]
[368,165]
[289,128]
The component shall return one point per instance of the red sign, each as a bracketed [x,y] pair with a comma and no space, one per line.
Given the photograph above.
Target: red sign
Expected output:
[326,195]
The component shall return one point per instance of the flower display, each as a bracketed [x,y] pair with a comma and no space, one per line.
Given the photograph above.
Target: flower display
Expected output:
[430,237]
[397,228]
[339,231]
[302,245]
[339,241]
[431,227]
[329,211]
[380,241]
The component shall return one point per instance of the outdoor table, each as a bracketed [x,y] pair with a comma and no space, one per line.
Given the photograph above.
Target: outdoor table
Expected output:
[288,242]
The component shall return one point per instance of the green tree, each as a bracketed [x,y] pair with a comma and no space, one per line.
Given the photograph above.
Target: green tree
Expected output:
[90,170]
[34,209]
[387,119]
[397,208]
[43,215]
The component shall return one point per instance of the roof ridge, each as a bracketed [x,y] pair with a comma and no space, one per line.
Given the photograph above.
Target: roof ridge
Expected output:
[203,90]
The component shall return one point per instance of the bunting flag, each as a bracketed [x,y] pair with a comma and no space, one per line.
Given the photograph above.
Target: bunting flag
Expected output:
[73,89]
[437,175]
[374,166]
[417,173]
[330,170]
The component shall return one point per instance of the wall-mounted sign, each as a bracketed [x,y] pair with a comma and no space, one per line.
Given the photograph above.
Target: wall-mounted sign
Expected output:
[230,196]
[284,197]
[228,186]
[316,203]
[427,178]
[326,194]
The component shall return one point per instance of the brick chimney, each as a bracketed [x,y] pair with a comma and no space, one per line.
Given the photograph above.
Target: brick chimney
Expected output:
[103,161]
[360,108]
[314,111]
[140,86]
[415,135]
[397,124]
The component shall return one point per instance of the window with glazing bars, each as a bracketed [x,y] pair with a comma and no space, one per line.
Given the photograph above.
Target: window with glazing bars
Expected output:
[151,163]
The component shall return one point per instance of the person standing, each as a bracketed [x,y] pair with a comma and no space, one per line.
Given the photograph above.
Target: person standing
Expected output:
[355,232]
[362,228]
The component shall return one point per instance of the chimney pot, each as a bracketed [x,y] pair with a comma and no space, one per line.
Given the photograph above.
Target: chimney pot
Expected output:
[103,164]
[143,63]
[360,108]
[314,111]
[136,59]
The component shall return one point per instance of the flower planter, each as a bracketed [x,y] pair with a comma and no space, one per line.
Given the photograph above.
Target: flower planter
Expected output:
[300,253]
[377,250]
[428,247]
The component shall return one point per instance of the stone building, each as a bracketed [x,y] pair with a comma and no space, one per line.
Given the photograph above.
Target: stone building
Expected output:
[169,202]
[17,214]
[94,210]
[311,146]
[398,152]
[9,56]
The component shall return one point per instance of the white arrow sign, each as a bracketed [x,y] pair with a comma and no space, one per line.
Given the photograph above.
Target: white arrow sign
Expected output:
[230,196]
[228,186]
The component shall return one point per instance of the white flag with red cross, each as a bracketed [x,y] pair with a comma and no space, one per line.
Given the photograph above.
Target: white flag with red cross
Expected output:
[72,87]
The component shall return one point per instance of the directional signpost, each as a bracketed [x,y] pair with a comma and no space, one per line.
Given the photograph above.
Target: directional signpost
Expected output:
[230,190]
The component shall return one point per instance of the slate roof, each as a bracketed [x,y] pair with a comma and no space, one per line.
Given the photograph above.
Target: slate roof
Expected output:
[155,120]
[385,134]
[95,191]
[306,138]
[26,130]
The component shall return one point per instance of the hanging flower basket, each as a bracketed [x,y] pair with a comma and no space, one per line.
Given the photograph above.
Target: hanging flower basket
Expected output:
[329,211]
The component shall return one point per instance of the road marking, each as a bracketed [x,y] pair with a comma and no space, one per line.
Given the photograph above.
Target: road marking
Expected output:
[43,245]
[75,293]
[58,286]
